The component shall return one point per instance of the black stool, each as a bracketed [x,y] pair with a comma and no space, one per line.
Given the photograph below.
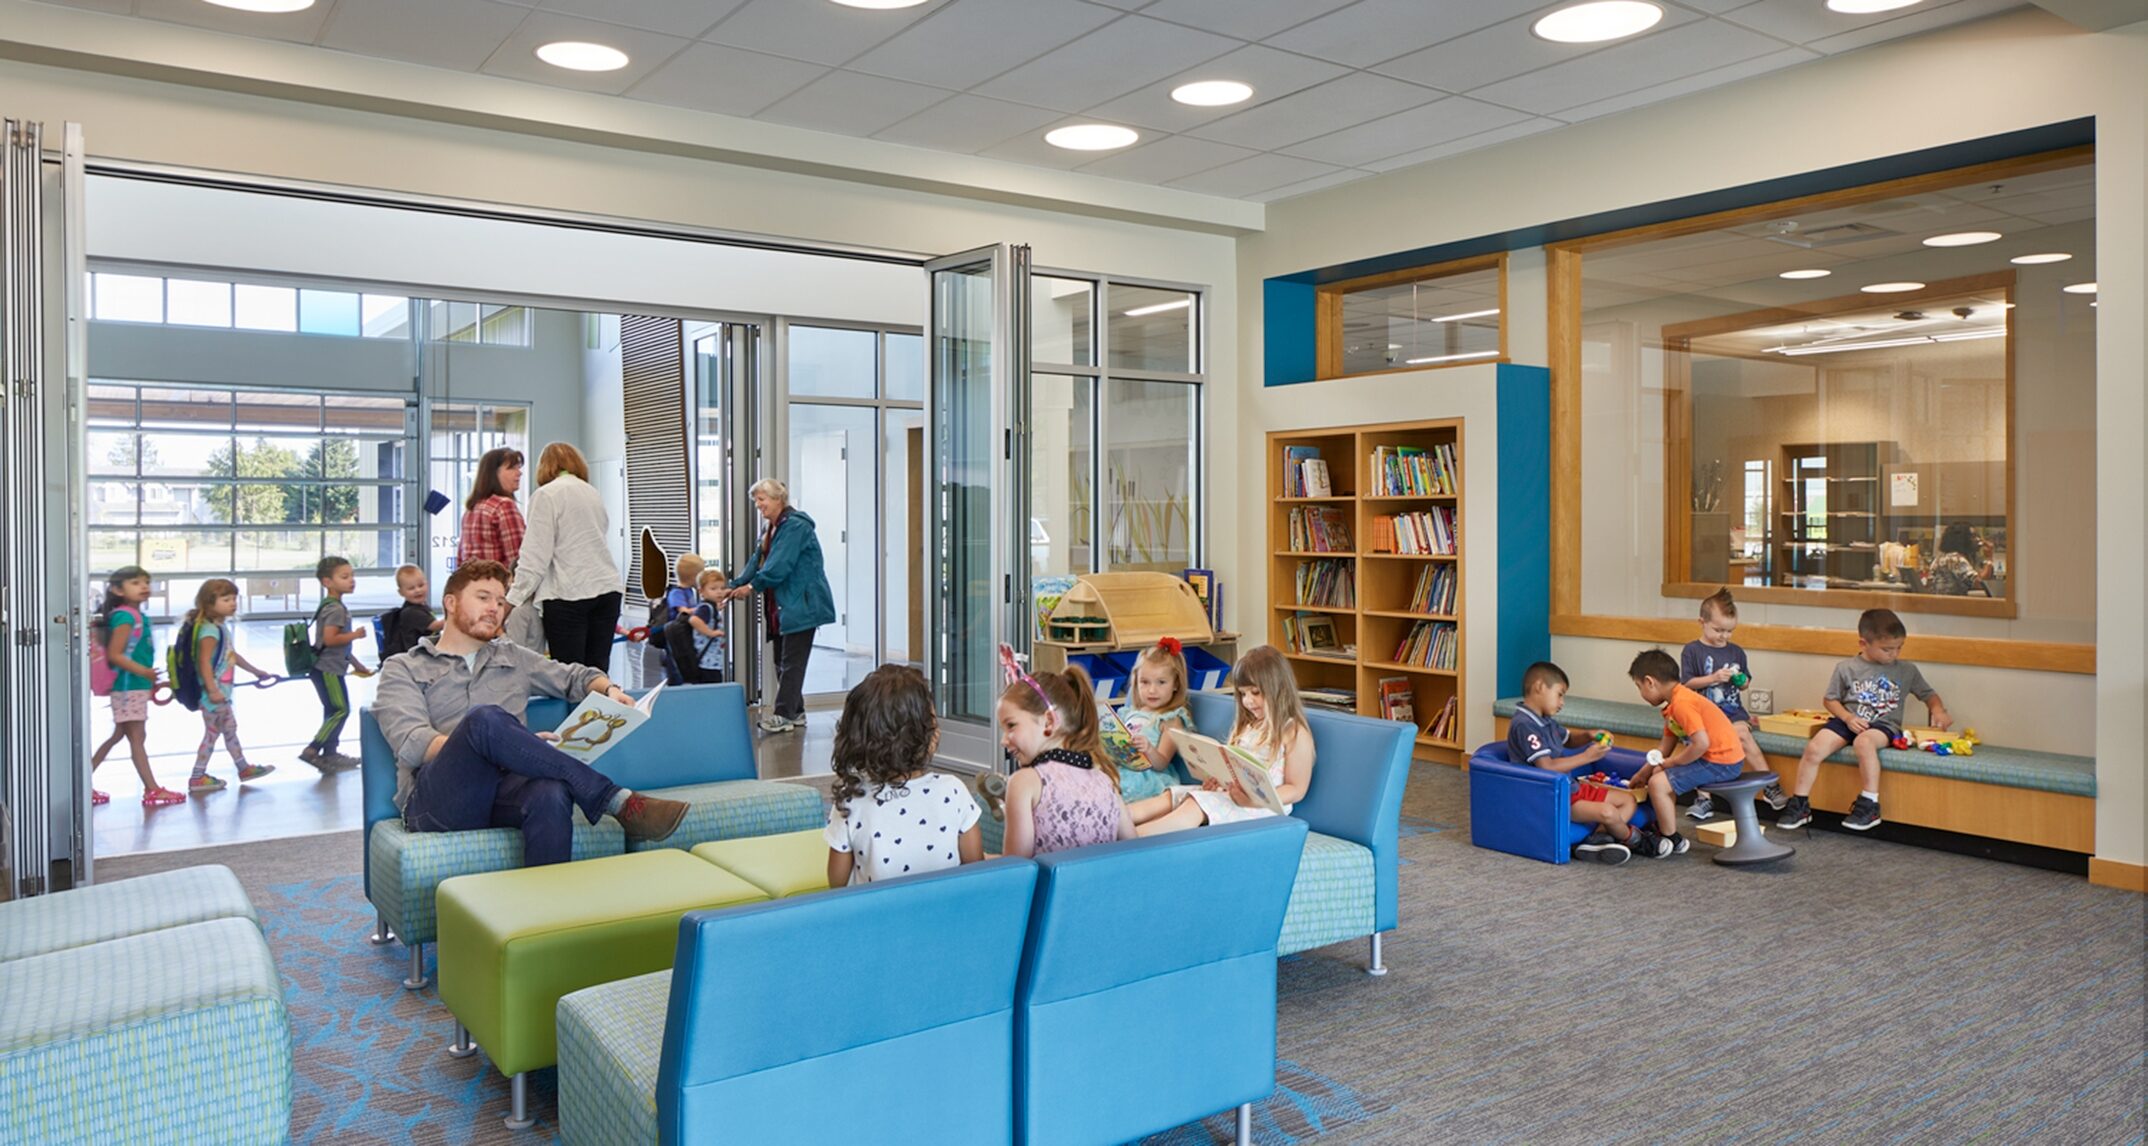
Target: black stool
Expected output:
[1753,846]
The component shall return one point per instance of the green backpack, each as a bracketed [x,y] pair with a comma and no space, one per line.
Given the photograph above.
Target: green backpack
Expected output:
[300,654]
[181,666]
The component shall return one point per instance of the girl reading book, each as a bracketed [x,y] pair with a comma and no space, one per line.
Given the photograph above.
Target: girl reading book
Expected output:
[1065,790]
[1269,727]
[1158,704]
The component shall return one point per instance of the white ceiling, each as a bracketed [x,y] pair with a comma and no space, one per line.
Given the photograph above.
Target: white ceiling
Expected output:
[1344,89]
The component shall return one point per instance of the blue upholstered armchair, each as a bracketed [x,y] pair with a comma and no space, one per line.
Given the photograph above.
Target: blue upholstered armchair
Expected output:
[1521,809]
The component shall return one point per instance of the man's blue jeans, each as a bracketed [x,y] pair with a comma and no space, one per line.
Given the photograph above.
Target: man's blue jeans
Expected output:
[495,773]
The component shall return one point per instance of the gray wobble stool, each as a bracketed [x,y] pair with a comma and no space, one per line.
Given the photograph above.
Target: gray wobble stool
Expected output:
[1753,846]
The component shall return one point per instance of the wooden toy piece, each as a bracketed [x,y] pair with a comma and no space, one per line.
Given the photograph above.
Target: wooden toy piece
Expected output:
[1719,833]
[1794,722]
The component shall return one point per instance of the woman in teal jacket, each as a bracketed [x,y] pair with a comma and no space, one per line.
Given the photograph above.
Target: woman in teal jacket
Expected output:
[786,566]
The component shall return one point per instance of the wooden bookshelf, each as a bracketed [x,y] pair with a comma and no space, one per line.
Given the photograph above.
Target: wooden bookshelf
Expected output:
[1380,615]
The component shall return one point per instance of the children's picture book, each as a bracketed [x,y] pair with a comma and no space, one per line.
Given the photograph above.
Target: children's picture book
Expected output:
[1226,763]
[599,723]
[1118,739]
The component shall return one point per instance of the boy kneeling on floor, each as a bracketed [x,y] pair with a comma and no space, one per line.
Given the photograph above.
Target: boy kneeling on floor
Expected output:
[1535,736]
[1699,745]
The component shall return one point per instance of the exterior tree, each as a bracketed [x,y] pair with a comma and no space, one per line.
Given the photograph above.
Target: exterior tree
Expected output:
[250,504]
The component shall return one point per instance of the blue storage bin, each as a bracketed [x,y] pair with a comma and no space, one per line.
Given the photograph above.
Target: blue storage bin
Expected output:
[1205,672]
[1109,679]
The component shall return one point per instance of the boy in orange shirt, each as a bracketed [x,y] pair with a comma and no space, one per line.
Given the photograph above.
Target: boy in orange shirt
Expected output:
[1699,745]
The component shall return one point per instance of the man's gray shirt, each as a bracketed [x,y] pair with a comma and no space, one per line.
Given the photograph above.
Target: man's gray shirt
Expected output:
[425,693]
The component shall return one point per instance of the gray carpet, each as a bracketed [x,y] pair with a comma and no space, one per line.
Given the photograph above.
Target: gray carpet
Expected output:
[1862,991]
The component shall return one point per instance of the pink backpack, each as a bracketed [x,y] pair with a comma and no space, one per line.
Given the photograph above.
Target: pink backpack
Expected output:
[102,676]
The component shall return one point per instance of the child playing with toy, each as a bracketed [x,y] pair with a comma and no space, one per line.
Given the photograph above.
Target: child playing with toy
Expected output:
[333,662]
[1270,725]
[413,620]
[1535,736]
[208,625]
[1719,670]
[1065,791]
[131,650]
[1864,700]
[705,618]
[1157,705]
[1698,746]
[890,814]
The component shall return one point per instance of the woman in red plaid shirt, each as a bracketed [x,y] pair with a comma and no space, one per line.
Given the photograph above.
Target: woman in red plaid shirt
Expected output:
[492,525]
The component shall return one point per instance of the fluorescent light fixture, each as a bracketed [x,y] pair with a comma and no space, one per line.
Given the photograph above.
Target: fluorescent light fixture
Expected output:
[880,5]
[1890,288]
[1808,273]
[1450,357]
[1159,308]
[1212,93]
[1866,7]
[1091,136]
[1970,335]
[1885,343]
[1465,314]
[2080,288]
[265,5]
[582,56]
[1963,239]
[1598,21]
[2034,260]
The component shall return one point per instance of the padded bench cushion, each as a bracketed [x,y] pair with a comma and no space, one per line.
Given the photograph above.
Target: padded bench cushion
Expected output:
[611,1042]
[174,1035]
[46,923]
[1992,764]
[794,863]
[732,809]
[407,866]
[1332,898]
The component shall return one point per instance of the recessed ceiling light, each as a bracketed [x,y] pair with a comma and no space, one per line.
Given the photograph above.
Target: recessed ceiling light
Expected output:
[880,5]
[1600,20]
[1867,7]
[1963,239]
[581,56]
[2081,288]
[265,5]
[1212,93]
[1451,357]
[1891,288]
[2032,260]
[1091,136]
[1810,273]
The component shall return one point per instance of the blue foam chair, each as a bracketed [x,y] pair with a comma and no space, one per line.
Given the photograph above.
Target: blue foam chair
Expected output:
[1162,950]
[1521,809]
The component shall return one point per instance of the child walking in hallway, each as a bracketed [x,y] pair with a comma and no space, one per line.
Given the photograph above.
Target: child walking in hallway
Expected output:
[208,625]
[130,650]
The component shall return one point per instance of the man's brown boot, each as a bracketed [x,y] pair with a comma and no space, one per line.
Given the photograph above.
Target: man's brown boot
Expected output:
[651,818]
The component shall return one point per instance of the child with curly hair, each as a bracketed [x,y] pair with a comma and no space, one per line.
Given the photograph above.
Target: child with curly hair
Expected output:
[890,814]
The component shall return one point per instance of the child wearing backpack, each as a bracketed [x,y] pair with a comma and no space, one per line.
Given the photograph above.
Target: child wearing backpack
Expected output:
[122,634]
[332,662]
[205,634]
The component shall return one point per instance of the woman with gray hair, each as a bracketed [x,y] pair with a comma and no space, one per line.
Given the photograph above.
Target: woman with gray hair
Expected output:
[787,567]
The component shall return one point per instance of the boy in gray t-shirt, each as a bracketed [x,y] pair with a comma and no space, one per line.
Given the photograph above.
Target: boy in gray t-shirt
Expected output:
[332,662]
[1864,702]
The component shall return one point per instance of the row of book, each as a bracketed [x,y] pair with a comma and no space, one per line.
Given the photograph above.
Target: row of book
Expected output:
[1413,471]
[1305,474]
[1436,590]
[1319,529]
[1328,583]
[1314,634]
[1429,644]
[1448,724]
[1342,699]
[1418,533]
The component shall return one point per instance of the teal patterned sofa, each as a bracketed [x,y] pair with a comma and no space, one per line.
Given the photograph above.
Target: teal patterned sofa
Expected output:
[146,1010]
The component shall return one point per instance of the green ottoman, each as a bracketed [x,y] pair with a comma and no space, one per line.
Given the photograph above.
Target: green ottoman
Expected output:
[513,942]
[46,923]
[794,863]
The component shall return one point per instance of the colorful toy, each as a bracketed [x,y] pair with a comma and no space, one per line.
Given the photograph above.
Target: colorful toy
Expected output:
[1739,679]
[1603,738]
[1901,742]
[1655,757]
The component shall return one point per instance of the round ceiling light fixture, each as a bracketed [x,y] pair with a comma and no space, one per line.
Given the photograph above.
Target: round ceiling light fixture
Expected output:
[1963,239]
[582,56]
[1091,136]
[1598,21]
[1808,273]
[1867,7]
[2080,288]
[880,5]
[276,6]
[1891,288]
[2033,260]
[1212,93]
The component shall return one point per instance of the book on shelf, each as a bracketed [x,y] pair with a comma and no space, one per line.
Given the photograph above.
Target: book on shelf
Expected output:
[1419,533]
[1435,591]
[1210,591]
[1319,529]
[1328,583]
[1329,697]
[1228,764]
[1415,471]
[1429,644]
[1313,634]
[1445,726]
[1398,700]
[1305,473]
[1317,482]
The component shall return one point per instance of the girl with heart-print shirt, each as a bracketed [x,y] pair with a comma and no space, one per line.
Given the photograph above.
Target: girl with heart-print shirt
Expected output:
[891,814]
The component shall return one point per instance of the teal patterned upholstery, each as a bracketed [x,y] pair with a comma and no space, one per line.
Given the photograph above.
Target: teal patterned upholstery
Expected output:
[611,1038]
[1332,898]
[46,923]
[407,866]
[1992,764]
[174,1036]
[733,809]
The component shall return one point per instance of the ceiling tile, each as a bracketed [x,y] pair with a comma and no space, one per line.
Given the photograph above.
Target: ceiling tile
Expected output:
[726,80]
[971,41]
[848,103]
[1489,55]
[1127,53]
[1716,77]
[1332,106]
[300,26]
[1245,19]
[459,34]
[1172,157]
[1801,21]
[1715,7]
[1254,175]
[1317,183]
[815,30]
[1128,5]
[1271,73]
[672,17]
[1420,127]
[1466,143]
[967,124]
[517,57]
[1650,59]
[1370,31]
[1912,21]
[121,7]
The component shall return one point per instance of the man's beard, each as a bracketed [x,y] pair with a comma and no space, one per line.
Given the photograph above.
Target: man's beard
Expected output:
[482,627]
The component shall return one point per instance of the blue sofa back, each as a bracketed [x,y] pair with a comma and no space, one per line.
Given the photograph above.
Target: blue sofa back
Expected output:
[1360,767]
[1160,950]
[880,1012]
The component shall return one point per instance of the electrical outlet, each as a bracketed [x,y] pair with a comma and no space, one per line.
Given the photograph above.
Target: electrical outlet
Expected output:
[1760,701]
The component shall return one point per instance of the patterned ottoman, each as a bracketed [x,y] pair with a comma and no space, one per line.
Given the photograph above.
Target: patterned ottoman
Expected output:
[1332,898]
[794,863]
[732,809]
[608,1061]
[46,923]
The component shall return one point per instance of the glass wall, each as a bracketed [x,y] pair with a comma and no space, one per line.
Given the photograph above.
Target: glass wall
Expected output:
[1447,315]
[461,434]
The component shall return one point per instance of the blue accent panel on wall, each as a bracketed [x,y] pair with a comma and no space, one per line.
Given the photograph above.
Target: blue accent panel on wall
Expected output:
[1524,408]
[1287,328]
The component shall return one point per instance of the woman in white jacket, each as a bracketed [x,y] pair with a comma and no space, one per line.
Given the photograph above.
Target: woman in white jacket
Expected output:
[566,561]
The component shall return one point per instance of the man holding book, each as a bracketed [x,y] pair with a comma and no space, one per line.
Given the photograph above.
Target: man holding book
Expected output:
[451,710]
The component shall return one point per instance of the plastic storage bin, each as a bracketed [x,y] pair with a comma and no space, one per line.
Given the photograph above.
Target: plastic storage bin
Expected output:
[1108,677]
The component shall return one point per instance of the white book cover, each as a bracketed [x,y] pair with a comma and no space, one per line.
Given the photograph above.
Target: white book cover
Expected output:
[1227,763]
[599,723]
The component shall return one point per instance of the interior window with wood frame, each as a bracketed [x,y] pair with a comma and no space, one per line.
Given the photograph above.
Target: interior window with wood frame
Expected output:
[1879,397]
[1450,314]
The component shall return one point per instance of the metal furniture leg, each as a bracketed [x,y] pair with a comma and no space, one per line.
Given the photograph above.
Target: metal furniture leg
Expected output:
[416,981]
[518,1117]
[1376,967]
[1245,1124]
[381,935]
[462,1047]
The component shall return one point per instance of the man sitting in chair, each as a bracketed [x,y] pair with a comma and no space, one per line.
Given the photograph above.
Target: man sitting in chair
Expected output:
[451,709]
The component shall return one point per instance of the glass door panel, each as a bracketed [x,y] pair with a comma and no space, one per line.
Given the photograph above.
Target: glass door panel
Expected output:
[833,471]
[722,365]
[903,519]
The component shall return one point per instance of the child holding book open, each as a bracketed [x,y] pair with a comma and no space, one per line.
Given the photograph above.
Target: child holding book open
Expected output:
[1269,727]
[1158,704]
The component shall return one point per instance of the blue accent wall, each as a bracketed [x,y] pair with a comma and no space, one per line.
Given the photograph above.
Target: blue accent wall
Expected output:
[1524,410]
[1288,326]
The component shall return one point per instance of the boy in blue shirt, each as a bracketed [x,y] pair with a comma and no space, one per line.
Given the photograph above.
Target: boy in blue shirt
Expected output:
[679,600]
[706,618]
[1710,666]
[1535,737]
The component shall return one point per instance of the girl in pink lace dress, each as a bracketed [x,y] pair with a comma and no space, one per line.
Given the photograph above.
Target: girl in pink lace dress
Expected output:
[1065,792]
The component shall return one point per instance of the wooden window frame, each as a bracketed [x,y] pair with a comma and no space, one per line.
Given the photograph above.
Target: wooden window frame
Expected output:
[1328,332]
